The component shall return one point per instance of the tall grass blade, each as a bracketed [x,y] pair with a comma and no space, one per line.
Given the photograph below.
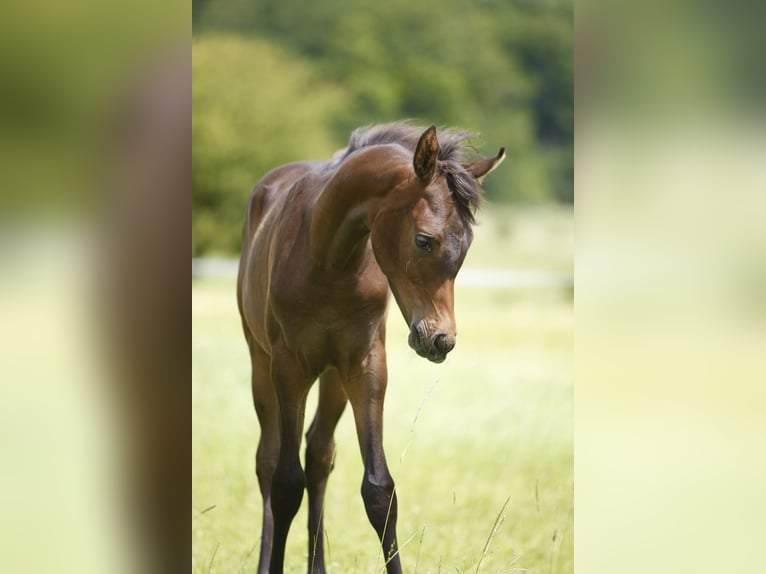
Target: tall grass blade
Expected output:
[498,521]
[399,549]
[212,558]
[415,420]
[420,545]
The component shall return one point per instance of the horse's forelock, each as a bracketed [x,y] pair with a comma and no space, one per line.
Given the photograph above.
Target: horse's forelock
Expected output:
[465,189]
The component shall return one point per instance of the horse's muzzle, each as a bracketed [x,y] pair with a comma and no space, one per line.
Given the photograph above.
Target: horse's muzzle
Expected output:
[432,347]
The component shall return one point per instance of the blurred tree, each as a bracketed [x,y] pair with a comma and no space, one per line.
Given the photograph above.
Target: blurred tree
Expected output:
[253,109]
[503,68]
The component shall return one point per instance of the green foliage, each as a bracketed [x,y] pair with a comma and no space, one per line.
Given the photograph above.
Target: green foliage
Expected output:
[501,68]
[254,108]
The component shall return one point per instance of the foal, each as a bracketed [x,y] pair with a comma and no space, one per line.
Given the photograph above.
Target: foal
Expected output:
[323,243]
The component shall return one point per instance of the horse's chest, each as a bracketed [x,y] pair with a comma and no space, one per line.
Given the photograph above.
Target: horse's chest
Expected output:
[325,332]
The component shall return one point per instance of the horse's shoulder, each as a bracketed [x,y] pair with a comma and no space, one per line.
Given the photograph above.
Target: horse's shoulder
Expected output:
[275,185]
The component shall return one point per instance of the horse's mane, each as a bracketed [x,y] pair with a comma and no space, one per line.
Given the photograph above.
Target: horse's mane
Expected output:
[455,149]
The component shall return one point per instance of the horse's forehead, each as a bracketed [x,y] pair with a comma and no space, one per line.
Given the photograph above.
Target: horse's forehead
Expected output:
[437,213]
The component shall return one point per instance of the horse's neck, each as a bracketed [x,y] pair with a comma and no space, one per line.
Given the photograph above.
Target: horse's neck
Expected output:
[341,218]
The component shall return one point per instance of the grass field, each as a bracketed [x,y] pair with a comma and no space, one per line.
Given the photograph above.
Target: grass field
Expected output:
[492,424]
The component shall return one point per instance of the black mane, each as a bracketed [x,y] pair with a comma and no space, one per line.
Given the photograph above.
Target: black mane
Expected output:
[455,149]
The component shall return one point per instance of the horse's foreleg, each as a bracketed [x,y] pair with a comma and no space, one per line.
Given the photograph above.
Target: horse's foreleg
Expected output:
[288,481]
[320,450]
[268,446]
[366,393]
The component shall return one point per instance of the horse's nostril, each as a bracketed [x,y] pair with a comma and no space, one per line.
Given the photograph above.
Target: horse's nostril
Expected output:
[443,343]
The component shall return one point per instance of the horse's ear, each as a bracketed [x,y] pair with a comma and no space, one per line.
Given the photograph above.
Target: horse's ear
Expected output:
[482,167]
[426,154]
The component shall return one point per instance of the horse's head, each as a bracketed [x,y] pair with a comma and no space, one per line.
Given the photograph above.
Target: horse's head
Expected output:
[421,237]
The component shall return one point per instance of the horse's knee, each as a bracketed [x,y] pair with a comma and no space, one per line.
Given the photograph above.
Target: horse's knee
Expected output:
[379,498]
[264,472]
[287,486]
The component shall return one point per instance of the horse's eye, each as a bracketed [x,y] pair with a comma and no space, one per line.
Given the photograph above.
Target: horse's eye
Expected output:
[423,242]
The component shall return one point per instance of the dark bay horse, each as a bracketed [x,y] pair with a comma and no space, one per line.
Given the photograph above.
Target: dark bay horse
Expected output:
[322,244]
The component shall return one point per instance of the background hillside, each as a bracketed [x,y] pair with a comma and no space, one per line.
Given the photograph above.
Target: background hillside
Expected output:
[278,81]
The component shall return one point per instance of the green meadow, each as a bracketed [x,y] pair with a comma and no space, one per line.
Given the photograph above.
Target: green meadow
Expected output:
[480,447]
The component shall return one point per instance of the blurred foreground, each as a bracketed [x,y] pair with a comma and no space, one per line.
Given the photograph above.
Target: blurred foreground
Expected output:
[671,287]
[95,143]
